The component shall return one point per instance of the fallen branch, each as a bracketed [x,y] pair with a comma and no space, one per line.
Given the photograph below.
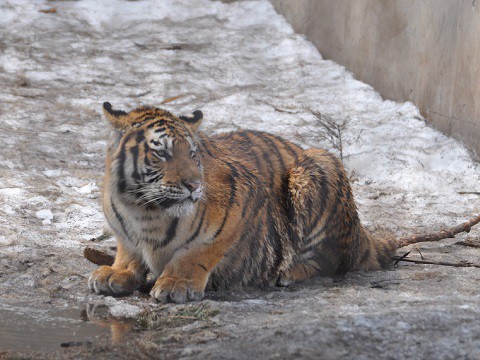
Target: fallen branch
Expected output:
[444,234]
[443,263]
[98,257]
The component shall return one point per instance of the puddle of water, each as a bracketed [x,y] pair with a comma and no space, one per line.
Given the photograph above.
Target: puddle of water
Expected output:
[32,329]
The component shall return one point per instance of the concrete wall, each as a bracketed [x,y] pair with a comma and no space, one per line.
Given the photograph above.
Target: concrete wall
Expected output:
[424,51]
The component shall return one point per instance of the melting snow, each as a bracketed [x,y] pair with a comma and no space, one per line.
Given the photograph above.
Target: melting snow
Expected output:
[87,189]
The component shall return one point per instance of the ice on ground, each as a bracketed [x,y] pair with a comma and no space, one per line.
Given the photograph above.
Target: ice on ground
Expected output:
[120,308]
[87,189]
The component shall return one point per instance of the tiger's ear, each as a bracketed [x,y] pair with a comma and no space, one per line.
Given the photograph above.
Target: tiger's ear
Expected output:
[193,120]
[118,118]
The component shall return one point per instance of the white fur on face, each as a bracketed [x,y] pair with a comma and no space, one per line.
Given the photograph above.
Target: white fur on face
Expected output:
[159,142]
[179,210]
[197,194]
[193,147]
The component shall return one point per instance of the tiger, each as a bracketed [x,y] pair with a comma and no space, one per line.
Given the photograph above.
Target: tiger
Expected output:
[243,208]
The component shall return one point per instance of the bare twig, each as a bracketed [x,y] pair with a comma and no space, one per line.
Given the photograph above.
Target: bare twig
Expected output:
[98,257]
[170,99]
[173,47]
[400,258]
[468,193]
[421,255]
[443,234]
[285,110]
[443,263]
[52,10]
[143,93]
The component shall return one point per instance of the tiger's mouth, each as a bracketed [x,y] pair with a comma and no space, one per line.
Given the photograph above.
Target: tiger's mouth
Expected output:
[166,203]
[169,202]
[165,200]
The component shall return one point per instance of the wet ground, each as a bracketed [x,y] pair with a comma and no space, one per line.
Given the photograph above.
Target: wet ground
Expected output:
[403,313]
[242,65]
[30,329]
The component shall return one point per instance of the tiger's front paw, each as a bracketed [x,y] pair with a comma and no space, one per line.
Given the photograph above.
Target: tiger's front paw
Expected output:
[108,281]
[168,289]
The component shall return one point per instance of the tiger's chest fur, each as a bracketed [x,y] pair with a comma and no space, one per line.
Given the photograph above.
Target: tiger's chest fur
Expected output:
[151,234]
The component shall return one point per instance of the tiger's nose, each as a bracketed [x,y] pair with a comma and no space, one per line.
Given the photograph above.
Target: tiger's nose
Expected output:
[192,185]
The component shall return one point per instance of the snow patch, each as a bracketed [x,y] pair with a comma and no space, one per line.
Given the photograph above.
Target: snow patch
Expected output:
[120,308]
[52,173]
[255,301]
[8,164]
[12,192]
[45,215]
[4,241]
[87,189]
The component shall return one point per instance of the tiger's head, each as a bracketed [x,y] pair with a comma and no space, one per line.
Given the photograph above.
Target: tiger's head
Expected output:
[154,158]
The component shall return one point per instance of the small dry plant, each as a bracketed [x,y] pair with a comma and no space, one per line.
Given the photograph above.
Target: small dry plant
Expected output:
[330,130]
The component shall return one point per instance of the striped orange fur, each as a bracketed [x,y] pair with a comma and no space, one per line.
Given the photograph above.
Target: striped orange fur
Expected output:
[240,208]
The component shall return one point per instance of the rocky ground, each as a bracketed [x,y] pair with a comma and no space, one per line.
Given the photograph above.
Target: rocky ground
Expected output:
[244,67]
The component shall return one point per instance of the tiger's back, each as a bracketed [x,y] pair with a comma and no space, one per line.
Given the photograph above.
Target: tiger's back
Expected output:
[309,207]
[264,247]
[240,208]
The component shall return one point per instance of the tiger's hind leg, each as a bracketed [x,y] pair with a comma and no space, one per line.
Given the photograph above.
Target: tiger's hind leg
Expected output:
[299,272]
[324,220]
